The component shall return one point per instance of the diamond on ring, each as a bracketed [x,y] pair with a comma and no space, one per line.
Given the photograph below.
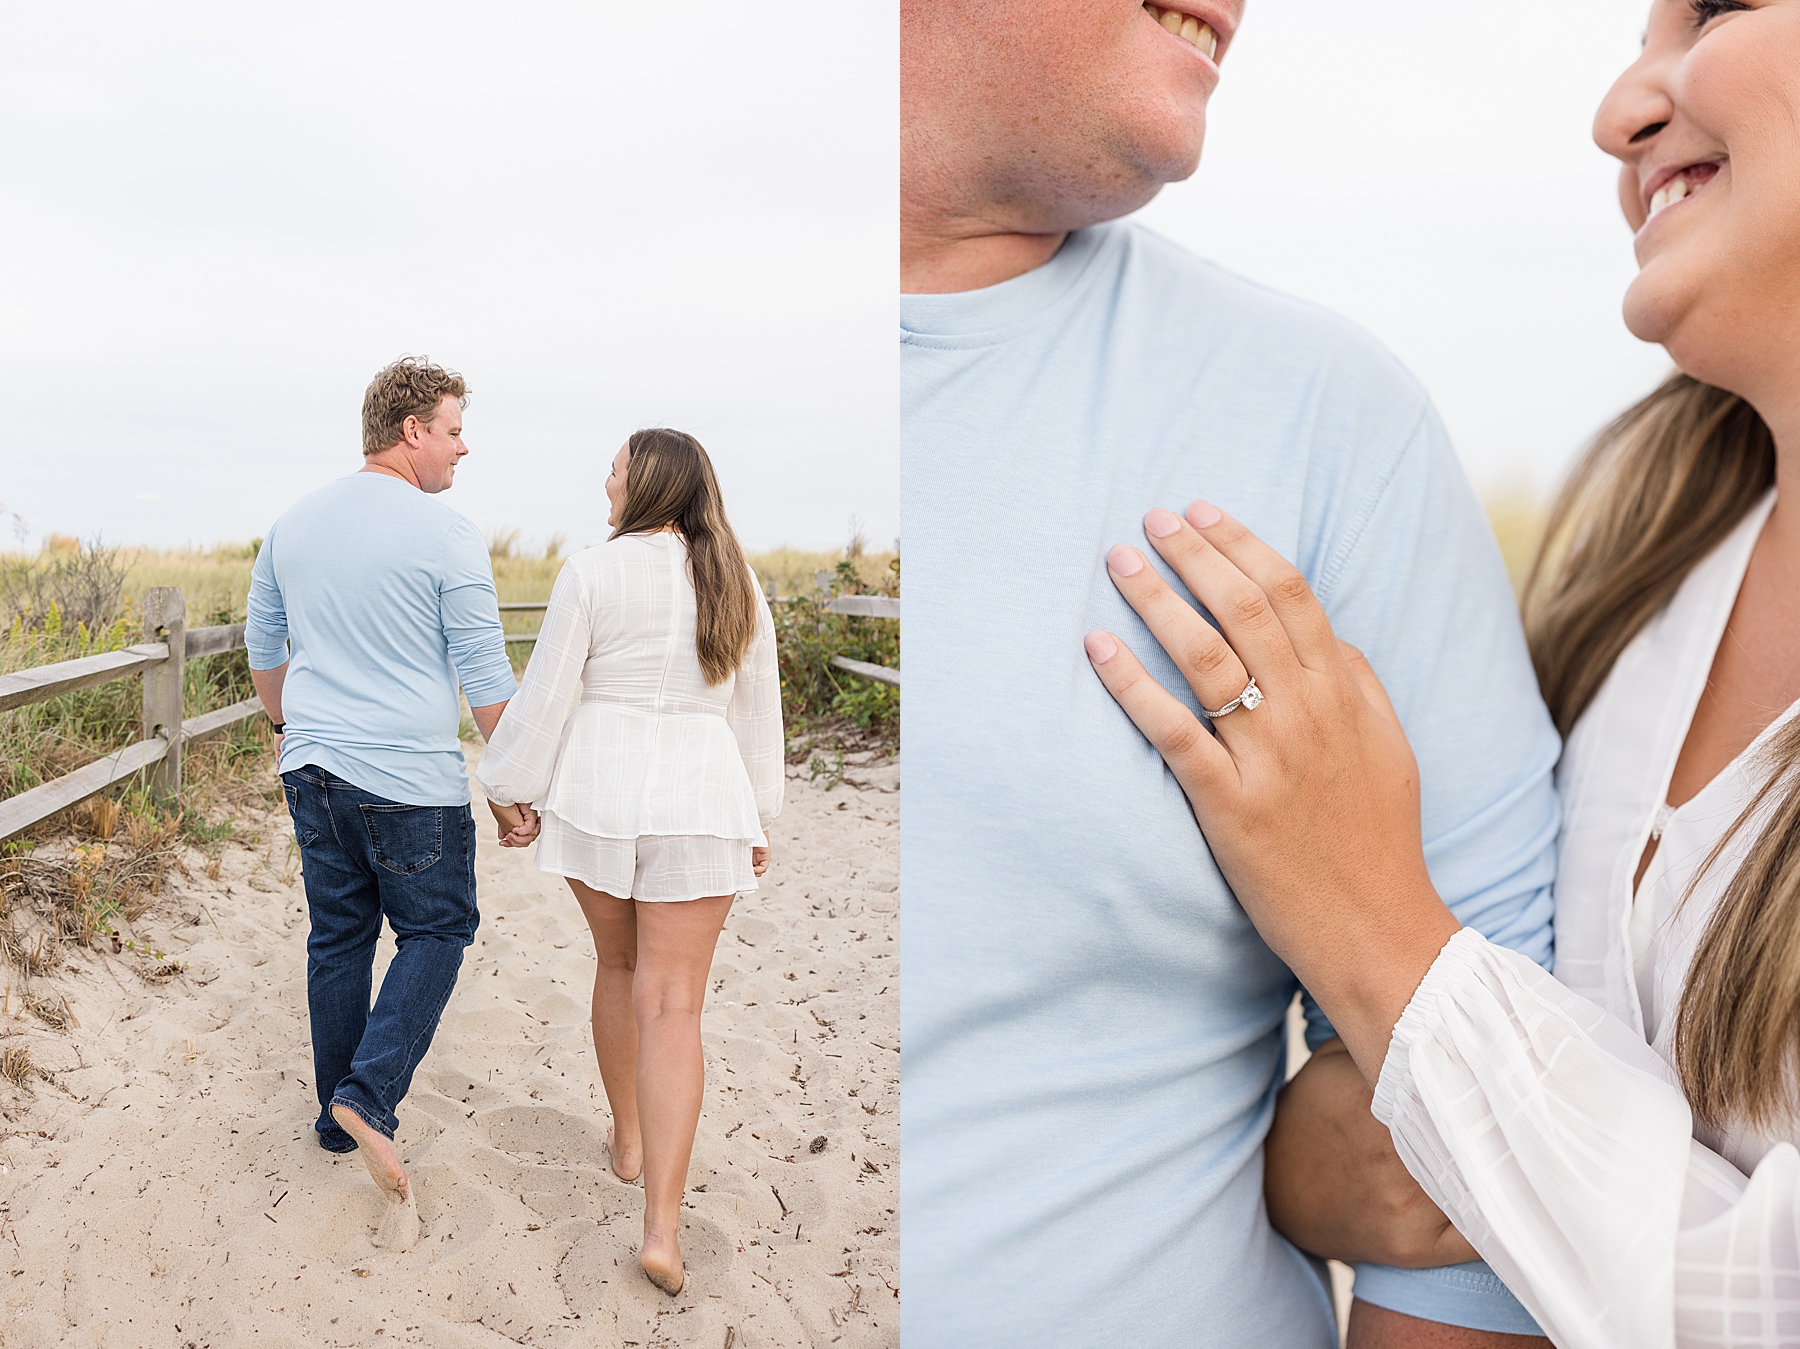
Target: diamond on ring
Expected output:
[1250,699]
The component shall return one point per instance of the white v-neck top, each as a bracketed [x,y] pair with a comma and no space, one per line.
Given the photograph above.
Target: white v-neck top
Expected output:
[614,728]
[1544,1115]
[1631,953]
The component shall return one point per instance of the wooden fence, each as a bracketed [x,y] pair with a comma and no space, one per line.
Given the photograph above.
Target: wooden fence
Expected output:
[860,606]
[161,659]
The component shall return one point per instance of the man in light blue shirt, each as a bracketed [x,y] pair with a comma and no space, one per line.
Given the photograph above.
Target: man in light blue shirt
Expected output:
[370,600]
[1092,1028]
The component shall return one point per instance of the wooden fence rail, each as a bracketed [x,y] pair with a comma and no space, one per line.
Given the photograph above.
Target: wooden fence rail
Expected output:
[859,606]
[161,659]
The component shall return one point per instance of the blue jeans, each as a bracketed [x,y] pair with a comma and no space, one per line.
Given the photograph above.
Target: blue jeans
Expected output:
[364,857]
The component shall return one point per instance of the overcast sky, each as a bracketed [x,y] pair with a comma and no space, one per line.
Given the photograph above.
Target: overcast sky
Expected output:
[1426,168]
[218,220]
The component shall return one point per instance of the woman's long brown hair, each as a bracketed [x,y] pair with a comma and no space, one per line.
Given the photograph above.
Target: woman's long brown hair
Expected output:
[669,481]
[1658,490]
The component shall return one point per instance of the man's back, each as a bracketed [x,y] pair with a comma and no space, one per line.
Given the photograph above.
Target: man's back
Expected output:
[388,597]
[1092,1027]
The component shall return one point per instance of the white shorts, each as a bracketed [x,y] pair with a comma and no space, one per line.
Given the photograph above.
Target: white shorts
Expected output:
[652,868]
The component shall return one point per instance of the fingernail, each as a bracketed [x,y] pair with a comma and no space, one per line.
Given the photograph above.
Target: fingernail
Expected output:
[1125,560]
[1204,515]
[1159,524]
[1100,647]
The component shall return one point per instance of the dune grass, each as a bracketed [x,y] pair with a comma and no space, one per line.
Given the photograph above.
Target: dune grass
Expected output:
[71,600]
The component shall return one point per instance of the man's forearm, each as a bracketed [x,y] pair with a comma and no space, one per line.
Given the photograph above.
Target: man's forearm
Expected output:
[1334,1184]
[488,717]
[268,687]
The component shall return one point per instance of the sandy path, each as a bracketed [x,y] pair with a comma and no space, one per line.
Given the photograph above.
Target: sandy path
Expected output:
[176,1195]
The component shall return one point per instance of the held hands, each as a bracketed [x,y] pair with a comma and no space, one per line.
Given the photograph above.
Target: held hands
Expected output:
[519,824]
[1310,800]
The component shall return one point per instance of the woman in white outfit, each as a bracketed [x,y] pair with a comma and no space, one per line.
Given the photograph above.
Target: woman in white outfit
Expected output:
[647,730]
[1617,1142]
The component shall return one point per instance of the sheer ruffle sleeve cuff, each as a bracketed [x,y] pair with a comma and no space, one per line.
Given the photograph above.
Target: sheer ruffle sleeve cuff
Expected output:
[1550,1134]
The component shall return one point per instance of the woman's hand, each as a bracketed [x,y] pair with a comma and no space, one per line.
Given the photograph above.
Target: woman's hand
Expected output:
[759,860]
[519,824]
[1310,799]
[1333,1183]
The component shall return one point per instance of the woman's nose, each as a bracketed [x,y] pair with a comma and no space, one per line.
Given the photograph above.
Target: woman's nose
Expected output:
[1634,109]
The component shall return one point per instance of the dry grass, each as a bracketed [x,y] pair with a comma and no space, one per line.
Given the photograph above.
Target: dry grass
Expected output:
[51,901]
[66,898]
[793,571]
[215,579]
[15,1064]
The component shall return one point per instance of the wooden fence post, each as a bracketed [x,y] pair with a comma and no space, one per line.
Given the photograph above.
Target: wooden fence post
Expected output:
[165,620]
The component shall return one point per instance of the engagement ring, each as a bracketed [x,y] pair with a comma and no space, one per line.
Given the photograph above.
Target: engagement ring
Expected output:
[1249,699]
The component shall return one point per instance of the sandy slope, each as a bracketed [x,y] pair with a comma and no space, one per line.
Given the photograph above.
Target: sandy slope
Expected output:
[177,1197]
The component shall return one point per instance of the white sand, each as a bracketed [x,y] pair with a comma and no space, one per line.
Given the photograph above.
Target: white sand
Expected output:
[178,1197]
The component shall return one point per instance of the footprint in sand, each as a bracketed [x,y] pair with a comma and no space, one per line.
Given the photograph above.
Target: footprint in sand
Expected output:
[541,1134]
[592,1285]
[455,1200]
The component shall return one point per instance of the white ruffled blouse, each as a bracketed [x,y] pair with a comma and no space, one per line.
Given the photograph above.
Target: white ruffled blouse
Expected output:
[1544,1115]
[614,728]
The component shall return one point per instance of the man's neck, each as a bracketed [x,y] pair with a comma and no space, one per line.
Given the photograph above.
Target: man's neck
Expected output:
[939,257]
[391,465]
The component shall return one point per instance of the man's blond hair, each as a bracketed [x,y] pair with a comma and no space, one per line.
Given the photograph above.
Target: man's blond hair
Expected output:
[410,387]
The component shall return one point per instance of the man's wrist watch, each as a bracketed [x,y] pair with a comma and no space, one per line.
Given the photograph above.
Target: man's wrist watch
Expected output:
[279,727]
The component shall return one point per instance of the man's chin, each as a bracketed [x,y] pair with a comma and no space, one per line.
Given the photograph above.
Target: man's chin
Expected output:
[1167,146]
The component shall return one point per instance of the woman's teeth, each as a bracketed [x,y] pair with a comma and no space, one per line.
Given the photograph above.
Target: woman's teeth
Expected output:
[1676,189]
[1188,27]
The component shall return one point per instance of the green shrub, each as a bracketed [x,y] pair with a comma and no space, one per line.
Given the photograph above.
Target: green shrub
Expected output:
[815,694]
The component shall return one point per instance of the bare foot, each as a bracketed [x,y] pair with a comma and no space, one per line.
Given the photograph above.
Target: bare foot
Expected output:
[627,1163]
[400,1220]
[661,1258]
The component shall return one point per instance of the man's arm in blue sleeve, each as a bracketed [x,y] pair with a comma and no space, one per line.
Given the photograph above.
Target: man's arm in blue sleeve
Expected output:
[265,614]
[1420,587]
[469,608]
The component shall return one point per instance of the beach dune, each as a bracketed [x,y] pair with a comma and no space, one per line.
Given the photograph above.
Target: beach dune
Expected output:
[162,1185]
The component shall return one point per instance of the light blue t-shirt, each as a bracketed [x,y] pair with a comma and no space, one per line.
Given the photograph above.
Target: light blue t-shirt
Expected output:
[1092,1029]
[386,597]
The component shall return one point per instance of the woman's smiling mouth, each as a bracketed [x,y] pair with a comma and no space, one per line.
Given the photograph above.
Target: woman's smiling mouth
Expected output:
[1667,188]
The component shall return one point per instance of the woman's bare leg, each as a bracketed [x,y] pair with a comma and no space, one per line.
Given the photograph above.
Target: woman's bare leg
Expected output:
[675,944]
[613,921]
